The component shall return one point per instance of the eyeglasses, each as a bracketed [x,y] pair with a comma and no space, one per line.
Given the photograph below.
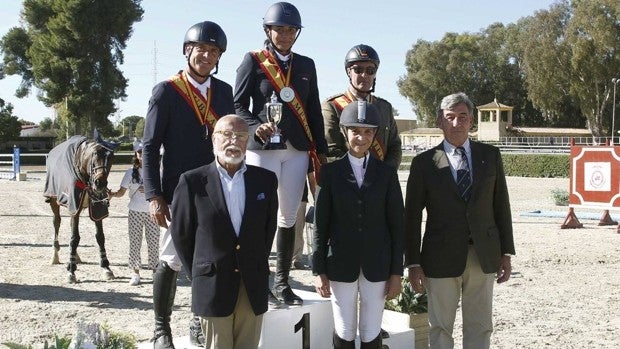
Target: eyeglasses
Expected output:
[361,70]
[242,136]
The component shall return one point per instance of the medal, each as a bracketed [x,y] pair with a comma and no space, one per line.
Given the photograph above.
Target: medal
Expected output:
[287,94]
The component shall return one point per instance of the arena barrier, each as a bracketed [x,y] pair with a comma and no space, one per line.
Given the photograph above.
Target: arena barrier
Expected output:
[10,169]
[594,182]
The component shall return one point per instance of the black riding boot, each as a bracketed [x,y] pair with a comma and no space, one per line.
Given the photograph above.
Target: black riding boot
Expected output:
[284,259]
[164,290]
[195,332]
[340,343]
[374,344]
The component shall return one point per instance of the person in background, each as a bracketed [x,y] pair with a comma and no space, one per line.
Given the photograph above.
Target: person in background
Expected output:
[361,64]
[181,116]
[279,74]
[468,236]
[358,237]
[223,227]
[138,218]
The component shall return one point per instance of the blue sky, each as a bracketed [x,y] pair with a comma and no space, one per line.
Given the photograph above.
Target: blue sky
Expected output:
[331,28]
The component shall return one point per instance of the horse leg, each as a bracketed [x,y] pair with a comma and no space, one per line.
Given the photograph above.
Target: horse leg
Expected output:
[104,263]
[75,241]
[56,212]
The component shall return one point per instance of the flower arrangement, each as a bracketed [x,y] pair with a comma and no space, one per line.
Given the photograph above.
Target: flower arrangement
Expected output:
[408,301]
[87,336]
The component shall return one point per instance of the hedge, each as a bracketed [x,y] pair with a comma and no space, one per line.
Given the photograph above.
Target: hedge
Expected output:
[525,165]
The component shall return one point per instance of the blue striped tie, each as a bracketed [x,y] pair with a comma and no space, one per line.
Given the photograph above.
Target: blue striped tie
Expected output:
[463,176]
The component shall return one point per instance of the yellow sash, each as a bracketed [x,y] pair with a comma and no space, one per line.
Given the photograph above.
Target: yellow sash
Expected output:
[202,107]
[276,77]
[377,146]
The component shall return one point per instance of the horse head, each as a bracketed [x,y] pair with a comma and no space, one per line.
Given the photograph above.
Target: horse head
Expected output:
[101,155]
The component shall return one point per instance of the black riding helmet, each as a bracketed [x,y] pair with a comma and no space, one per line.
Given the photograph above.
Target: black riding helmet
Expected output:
[282,14]
[359,114]
[206,32]
[361,53]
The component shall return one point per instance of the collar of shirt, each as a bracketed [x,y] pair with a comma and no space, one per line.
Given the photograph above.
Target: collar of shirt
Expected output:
[201,87]
[454,158]
[224,173]
[357,164]
[282,57]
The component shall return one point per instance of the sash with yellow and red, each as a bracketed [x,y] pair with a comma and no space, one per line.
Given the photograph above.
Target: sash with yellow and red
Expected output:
[341,102]
[275,75]
[202,107]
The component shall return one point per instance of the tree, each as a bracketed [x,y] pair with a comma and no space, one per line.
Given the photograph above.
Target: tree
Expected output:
[127,126]
[477,64]
[46,124]
[10,127]
[70,51]
[139,128]
[569,54]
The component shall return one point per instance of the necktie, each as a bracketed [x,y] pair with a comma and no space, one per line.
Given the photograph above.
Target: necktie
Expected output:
[463,175]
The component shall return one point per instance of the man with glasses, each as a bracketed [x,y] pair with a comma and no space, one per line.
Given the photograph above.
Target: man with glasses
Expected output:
[180,119]
[223,227]
[361,64]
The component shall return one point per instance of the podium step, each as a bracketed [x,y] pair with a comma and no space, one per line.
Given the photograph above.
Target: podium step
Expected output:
[314,318]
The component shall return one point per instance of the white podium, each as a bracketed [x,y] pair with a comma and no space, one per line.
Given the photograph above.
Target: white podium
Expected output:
[288,327]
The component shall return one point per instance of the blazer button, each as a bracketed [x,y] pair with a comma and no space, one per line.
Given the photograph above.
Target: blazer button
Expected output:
[238,247]
[236,270]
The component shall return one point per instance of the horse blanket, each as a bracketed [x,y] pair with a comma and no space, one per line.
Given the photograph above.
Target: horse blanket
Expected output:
[64,181]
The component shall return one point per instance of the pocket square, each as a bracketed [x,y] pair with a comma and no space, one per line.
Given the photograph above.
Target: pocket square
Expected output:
[260,196]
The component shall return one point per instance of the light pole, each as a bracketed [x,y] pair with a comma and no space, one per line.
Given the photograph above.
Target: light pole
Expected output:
[615,81]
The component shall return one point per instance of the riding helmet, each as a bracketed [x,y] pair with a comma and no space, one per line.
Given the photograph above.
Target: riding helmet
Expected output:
[360,114]
[361,53]
[206,33]
[282,14]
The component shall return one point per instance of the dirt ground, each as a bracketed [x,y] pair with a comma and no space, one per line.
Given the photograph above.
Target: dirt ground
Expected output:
[564,291]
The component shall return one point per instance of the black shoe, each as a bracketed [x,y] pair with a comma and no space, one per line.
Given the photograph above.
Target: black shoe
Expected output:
[272,301]
[163,341]
[300,266]
[384,334]
[195,332]
[286,295]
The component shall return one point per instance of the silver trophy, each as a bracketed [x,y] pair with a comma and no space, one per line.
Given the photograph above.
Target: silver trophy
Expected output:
[273,109]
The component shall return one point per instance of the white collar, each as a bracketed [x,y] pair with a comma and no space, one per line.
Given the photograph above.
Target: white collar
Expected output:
[224,172]
[282,57]
[359,162]
[450,148]
[196,84]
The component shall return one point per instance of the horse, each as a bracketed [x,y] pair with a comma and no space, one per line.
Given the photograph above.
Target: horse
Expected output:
[77,177]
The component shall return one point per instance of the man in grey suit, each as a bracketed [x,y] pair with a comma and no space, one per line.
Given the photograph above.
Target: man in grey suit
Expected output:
[223,225]
[468,236]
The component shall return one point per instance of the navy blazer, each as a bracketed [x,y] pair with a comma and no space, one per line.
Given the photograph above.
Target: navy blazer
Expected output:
[208,247]
[253,86]
[358,228]
[172,122]
[450,220]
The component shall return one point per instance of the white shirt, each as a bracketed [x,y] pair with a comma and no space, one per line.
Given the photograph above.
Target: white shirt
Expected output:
[358,167]
[201,87]
[234,194]
[454,158]
[137,201]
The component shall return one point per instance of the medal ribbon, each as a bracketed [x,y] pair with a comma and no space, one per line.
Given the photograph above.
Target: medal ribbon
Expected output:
[274,74]
[202,107]
[340,103]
